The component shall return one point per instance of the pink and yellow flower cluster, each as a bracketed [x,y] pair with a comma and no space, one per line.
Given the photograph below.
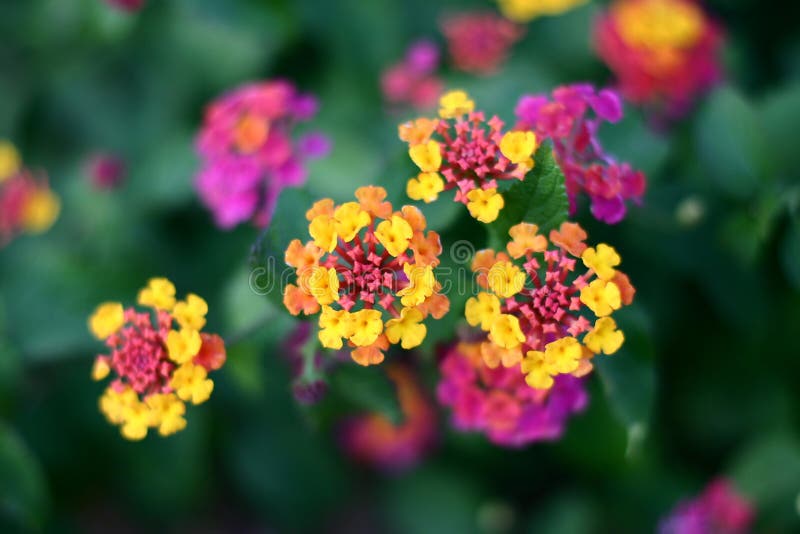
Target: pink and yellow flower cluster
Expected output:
[537,315]
[461,150]
[663,52]
[27,204]
[160,359]
[368,272]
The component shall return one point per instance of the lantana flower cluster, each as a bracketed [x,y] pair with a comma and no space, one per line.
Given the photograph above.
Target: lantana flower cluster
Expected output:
[413,81]
[249,152]
[718,509]
[527,10]
[572,118]
[461,150]
[539,315]
[662,52]
[479,42]
[497,401]
[27,204]
[159,358]
[368,272]
[374,440]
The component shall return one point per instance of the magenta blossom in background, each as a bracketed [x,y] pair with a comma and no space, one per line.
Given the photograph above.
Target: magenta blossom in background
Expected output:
[571,120]
[126,5]
[413,81]
[479,42]
[718,510]
[249,153]
[500,404]
[105,171]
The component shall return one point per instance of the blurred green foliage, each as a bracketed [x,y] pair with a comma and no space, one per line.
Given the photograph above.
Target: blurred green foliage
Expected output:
[706,385]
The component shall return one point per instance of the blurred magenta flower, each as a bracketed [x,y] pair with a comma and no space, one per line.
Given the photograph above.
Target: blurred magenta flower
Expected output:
[413,81]
[664,53]
[720,509]
[127,5]
[479,42]
[499,403]
[249,153]
[374,440]
[572,119]
[105,170]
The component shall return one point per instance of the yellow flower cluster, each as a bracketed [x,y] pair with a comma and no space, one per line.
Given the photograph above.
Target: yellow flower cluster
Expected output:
[534,319]
[365,255]
[159,367]
[659,25]
[527,10]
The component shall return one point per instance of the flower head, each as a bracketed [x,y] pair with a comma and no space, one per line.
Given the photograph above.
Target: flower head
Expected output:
[571,119]
[413,81]
[526,10]
[479,42]
[663,52]
[159,357]
[27,204]
[250,153]
[496,400]
[105,171]
[719,508]
[535,314]
[368,272]
[463,151]
[375,440]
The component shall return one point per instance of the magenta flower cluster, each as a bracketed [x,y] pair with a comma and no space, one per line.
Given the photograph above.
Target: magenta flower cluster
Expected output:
[571,119]
[413,81]
[249,151]
[498,402]
[719,509]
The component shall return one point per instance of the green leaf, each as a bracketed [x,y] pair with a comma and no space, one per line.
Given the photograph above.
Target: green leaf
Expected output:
[541,198]
[269,274]
[628,378]
[23,491]
[781,114]
[790,253]
[368,389]
[730,143]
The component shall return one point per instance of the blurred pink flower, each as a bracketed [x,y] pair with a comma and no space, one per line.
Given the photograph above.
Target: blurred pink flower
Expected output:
[248,151]
[498,402]
[479,42]
[105,170]
[413,81]
[372,439]
[127,5]
[718,510]
[566,120]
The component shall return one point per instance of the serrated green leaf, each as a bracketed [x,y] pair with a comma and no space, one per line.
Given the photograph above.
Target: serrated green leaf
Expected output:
[541,198]
[269,274]
[368,389]
[730,143]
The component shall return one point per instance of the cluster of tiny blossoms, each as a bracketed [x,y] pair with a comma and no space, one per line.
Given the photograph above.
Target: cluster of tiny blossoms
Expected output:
[479,42]
[27,204]
[719,509]
[498,402]
[248,151]
[159,357]
[374,440]
[368,272]
[535,314]
[527,10]
[662,52]
[566,119]
[413,81]
[462,150]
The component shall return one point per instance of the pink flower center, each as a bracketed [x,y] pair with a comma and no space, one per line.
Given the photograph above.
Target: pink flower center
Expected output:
[138,352]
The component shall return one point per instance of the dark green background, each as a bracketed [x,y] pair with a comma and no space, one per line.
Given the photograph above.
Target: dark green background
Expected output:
[707,383]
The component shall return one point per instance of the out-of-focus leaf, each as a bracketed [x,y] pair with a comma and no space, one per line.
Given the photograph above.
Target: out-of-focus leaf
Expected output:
[367,389]
[269,274]
[23,491]
[628,378]
[730,143]
[781,114]
[541,198]
[564,514]
[790,253]
[633,141]
[768,474]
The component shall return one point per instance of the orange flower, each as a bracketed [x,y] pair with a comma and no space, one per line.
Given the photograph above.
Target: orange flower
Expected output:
[571,237]
[296,300]
[371,354]
[372,199]
[320,207]
[483,261]
[426,248]
[418,131]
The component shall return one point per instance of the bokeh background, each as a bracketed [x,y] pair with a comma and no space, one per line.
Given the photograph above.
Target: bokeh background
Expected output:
[707,385]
